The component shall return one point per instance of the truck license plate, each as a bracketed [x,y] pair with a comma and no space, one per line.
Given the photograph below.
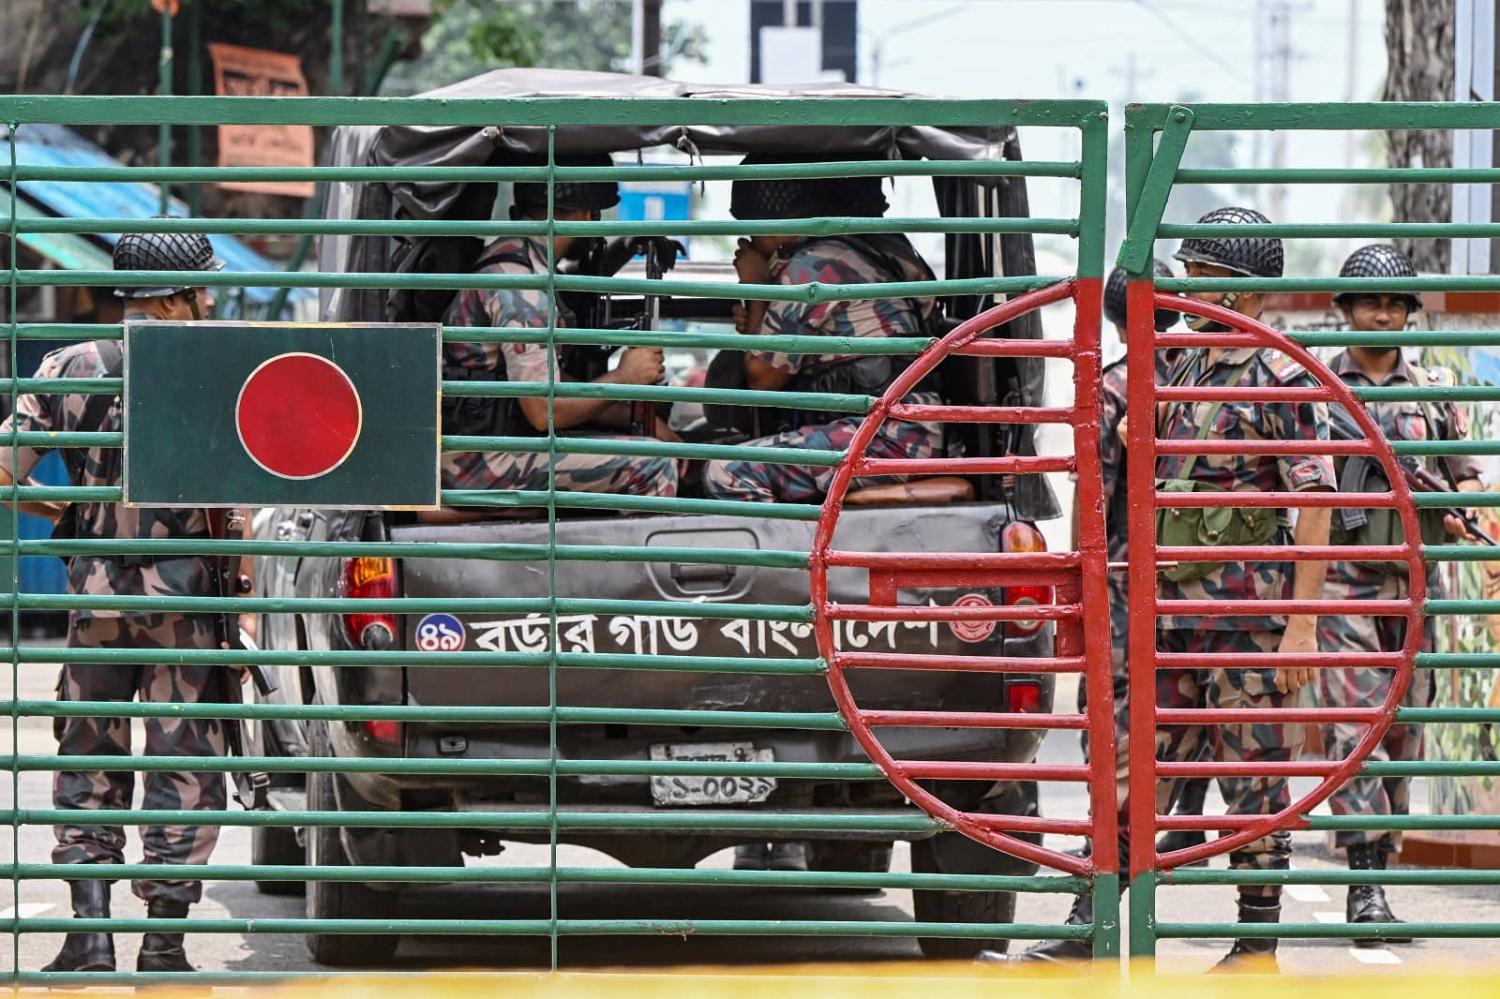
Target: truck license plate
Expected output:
[676,789]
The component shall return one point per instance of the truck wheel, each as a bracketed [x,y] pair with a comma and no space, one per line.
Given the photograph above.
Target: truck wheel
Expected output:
[340,899]
[956,907]
[277,845]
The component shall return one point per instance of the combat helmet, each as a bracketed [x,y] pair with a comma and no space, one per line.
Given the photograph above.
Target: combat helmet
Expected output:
[1114,297]
[163,251]
[1252,256]
[752,198]
[572,195]
[1379,260]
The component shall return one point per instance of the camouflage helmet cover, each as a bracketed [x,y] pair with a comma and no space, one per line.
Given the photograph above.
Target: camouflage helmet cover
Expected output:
[1251,256]
[1114,297]
[1379,260]
[163,251]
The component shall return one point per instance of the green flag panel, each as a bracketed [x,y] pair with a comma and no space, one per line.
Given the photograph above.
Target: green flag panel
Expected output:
[282,414]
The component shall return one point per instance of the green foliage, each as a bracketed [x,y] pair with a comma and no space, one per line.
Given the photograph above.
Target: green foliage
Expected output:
[469,37]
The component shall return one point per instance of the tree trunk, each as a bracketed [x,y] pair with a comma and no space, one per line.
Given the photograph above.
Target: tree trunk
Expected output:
[1419,42]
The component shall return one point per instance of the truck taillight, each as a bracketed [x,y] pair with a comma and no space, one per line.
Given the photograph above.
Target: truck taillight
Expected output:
[388,732]
[1025,696]
[369,579]
[1019,536]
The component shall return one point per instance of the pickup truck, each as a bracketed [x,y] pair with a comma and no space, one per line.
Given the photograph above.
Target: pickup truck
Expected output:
[982,514]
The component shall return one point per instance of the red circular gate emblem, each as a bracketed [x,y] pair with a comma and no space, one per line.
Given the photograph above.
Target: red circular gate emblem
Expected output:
[298,416]
[972,631]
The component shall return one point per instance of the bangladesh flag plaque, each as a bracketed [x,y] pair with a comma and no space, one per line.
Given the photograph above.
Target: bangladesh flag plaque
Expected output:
[282,414]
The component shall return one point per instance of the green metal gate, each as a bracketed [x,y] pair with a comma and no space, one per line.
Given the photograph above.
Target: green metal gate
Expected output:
[548,814]
[1157,138]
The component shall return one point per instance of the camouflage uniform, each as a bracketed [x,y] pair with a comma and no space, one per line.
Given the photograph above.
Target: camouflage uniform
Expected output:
[1116,523]
[1237,688]
[829,261]
[1367,686]
[102,844]
[527,362]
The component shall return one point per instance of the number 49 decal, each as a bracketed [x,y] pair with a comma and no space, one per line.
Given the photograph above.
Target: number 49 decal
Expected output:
[440,633]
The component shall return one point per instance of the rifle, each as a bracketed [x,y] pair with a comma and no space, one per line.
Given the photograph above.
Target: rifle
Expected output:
[1343,428]
[251,787]
[643,412]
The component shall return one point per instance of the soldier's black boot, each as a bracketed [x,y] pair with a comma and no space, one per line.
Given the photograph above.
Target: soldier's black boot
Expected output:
[87,951]
[164,951]
[1254,954]
[1054,951]
[1189,802]
[752,857]
[1366,903]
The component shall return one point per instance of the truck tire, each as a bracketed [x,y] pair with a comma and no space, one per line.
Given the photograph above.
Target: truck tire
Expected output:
[933,906]
[340,899]
[277,845]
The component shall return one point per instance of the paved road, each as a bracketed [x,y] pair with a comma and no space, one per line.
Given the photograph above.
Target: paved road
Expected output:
[286,953]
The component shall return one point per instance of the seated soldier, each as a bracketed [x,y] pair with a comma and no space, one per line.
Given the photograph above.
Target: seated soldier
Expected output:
[531,362]
[793,260]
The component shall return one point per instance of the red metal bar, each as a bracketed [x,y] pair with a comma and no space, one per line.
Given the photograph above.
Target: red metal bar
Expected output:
[984,770]
[979,561]
[1257,447]
[1016,464]
[1307,499]
[1256,608]
[1140,399]
[1231,393]
[970,719]
[918,612]
[980,414]
[974,664]
[999,347]
[1034,823]
[1259,660]
[1268,716]
[1203,341]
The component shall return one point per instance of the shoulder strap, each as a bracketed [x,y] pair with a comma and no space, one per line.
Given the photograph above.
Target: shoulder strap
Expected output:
[96,407]
[1213,412]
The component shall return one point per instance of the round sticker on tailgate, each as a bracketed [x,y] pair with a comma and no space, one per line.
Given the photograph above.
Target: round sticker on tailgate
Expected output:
[972,631]
[440,633]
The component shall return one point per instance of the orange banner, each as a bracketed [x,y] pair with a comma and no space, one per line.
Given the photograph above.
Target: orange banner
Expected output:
[242,72]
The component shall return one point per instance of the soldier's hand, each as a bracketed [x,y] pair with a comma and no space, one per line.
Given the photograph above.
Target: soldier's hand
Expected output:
[641,366]
[1297,640]
[750,264]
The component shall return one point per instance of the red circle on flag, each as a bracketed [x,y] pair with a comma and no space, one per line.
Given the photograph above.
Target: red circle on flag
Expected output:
[298,416]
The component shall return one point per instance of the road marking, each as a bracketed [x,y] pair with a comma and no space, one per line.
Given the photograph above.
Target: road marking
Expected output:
[1307,893]
[1373,955]
[27,910]
[1329,917]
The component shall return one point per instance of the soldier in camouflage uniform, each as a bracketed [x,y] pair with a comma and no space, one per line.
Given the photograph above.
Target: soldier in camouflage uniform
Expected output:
[530,362]
[1261,687]
[1113,392]
[796,260]
[1366,686]
[93,841]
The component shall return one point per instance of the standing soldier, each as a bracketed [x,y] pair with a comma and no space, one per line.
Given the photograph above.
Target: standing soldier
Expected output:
[1266,686]
[796,260]
[529,362]
[91,842]
[1116,526]
[1364,686]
